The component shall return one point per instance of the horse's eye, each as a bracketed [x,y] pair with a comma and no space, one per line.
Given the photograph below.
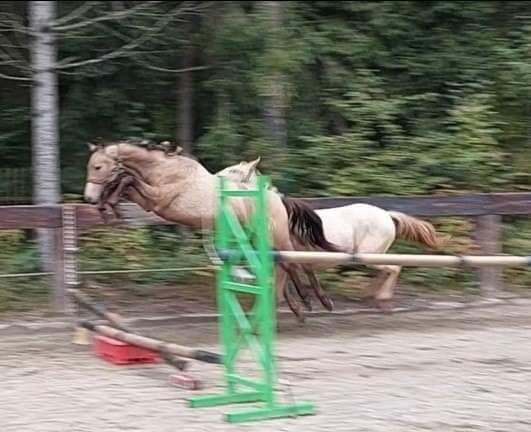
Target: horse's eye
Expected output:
[97,168]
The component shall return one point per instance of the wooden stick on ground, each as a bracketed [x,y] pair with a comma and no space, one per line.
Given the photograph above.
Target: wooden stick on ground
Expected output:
[154,344]
[167,351]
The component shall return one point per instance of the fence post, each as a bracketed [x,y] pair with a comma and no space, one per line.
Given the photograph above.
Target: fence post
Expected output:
[488,236]
[59,301]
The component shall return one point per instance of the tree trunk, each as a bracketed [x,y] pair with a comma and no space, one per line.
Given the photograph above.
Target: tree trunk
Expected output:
[274,98]
[185,95]
[44,102]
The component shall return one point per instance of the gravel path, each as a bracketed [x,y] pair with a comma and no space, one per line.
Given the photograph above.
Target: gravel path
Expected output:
[444,371]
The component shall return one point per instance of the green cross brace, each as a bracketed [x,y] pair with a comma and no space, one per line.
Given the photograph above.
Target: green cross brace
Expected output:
[255,330]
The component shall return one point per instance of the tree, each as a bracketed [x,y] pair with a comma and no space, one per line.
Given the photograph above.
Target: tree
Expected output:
[185,95]
[138,26]
[273,85]
[45,127]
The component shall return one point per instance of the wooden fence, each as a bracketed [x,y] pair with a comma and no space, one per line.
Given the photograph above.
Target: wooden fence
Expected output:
[486,209]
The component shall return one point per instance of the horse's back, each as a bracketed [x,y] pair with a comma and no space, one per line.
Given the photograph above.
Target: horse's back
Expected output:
[358,224]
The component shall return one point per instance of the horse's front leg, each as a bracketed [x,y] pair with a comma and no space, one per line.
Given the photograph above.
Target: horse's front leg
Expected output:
[119,191]
[149,193]
[111,196]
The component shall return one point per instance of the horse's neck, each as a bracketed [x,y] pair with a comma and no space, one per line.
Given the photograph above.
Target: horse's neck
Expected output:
[156,169]
[139,161]
[177,188]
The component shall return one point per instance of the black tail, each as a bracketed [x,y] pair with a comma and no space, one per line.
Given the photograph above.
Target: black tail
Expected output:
[306,225]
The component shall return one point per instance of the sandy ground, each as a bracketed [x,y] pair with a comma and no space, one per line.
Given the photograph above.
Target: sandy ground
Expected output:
[461,370]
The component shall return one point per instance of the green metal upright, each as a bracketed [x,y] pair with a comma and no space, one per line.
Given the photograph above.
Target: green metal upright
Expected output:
[249,245]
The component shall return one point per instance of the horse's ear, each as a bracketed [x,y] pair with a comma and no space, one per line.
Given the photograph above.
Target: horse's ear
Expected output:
[254,164]
[93,147]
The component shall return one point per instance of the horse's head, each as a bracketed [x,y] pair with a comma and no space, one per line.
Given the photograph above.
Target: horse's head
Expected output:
[244,172]
[102,168]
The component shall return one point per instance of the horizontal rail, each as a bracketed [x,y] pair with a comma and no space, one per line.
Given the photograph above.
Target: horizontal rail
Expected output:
[398,259]
[132,214]
[242,193]
[153,270]
[30,216]
[517,203]
[21,275]
[104,272]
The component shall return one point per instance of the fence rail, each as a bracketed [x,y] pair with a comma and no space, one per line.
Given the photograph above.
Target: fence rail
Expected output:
[486,209]
[518,203]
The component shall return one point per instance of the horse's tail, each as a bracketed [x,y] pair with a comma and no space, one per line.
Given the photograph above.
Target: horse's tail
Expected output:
[306,225]
[416,230]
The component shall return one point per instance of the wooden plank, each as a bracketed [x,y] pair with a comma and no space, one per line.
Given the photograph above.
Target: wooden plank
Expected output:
[30,216]
[466,205]
[469,205]
[510,203]
[443,205]
[488,236]
[88,215]
[60,300]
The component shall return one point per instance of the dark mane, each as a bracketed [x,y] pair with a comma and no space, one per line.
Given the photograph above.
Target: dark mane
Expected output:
[306,225]
[148,145]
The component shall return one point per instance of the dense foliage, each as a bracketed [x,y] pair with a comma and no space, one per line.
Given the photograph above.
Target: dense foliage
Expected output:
[384,97]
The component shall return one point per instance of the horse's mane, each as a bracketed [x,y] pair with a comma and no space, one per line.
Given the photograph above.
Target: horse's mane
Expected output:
[306,224]
[150,146]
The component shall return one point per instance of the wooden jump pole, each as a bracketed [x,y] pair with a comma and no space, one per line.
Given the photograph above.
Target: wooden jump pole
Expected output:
[99,310]
[399,259]
[154,344]
[119,331]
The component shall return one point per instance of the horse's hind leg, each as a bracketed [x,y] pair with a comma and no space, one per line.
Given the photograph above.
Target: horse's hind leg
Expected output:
[323,297]
[383,293]
[282,241]
[282,291]
[381,289]
[299,286]
[375,284]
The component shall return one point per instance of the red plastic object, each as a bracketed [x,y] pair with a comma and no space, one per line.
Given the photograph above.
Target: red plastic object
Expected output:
[186,381]
[122,353]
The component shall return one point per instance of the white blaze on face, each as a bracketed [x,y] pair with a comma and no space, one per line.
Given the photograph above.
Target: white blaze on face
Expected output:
[93,192]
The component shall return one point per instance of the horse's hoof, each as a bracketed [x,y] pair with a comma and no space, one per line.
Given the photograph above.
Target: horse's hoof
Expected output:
[327,303]
[104,217]
[307,302]
[300,317]
[299,314]
[367,299]
[386,306]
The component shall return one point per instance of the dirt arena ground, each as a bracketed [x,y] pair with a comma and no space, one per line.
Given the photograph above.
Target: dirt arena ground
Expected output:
[446,371]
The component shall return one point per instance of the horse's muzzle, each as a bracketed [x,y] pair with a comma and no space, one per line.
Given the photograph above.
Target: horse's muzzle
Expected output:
[92,192]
